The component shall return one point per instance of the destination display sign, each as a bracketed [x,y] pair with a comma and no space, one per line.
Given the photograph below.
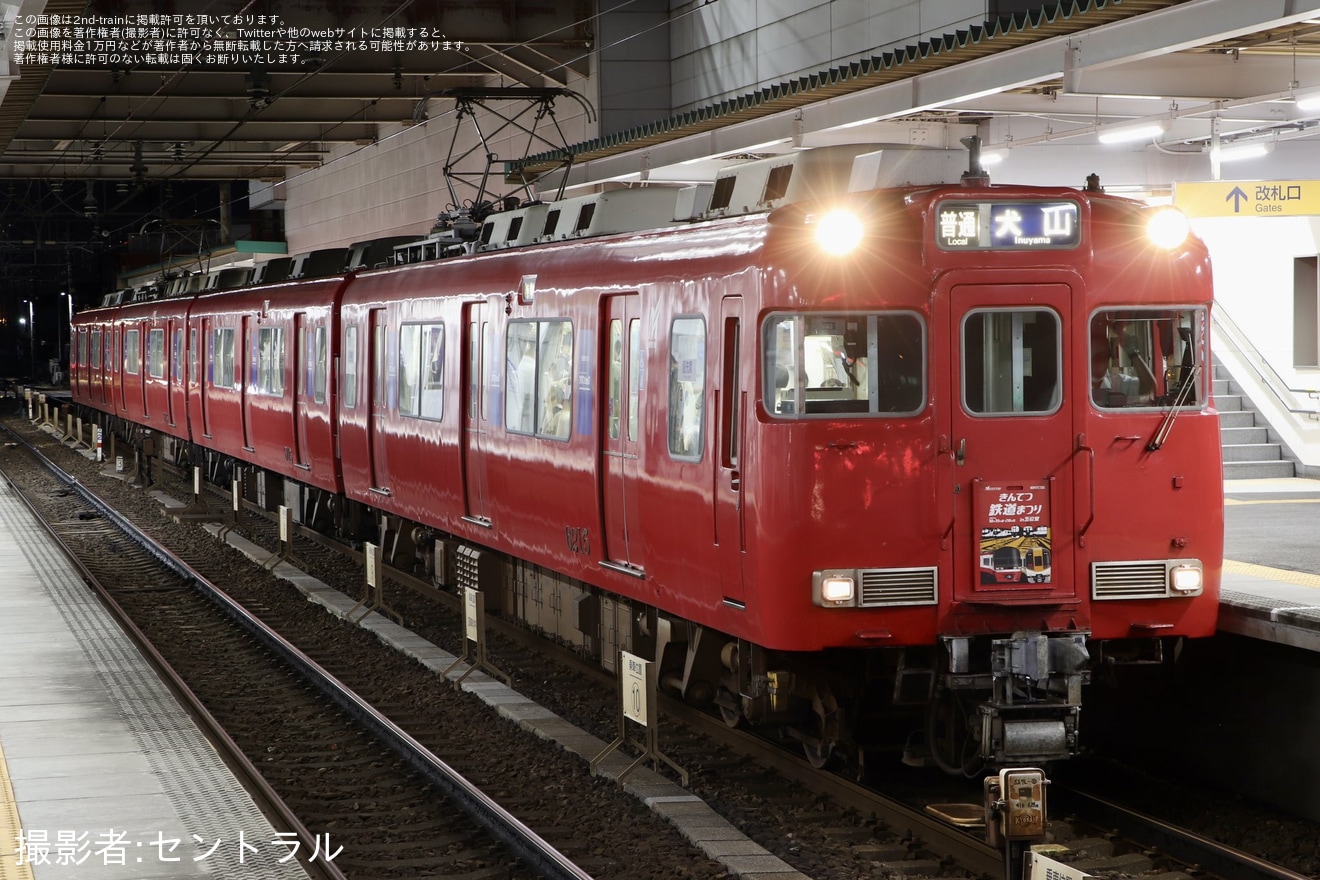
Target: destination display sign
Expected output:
[1020,226]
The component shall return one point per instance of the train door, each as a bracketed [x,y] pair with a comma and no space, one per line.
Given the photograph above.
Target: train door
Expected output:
[206,386]
[379,408]
[173,369]
[247,359]
[731,401]
[1012,446]
[622,427]
[476,391]
[302,385]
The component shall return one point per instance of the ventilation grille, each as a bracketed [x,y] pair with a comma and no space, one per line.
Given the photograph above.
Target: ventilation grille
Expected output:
[899,586]
[1130,580]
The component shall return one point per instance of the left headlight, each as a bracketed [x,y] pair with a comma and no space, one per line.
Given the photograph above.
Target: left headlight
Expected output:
[838,232]
[1168,228]
[834,588]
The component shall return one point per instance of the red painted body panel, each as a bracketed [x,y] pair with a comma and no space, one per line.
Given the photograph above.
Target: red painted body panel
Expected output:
[732,542]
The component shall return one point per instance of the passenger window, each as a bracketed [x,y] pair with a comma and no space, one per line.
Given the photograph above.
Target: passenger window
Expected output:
[539,378]
[270,360]
[177,355]
[132,353]
[1147,358]
[222,358]
[687,388]
[156,354]
[614,381]
[844,364]
[350,367]
[1011,362]
[319,366]
[192,356]
[95,360]
[421,370]
[634,374]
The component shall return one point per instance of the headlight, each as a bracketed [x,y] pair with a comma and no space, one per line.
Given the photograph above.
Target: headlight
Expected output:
[838,232]
[1168,228]
[1185,580]
[834,588]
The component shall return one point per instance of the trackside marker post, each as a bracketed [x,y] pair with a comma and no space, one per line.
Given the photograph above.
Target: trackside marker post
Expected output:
[639,703]
[374,599]
[474,630]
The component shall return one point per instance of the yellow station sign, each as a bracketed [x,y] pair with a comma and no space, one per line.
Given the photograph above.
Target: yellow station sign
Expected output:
[1248,198]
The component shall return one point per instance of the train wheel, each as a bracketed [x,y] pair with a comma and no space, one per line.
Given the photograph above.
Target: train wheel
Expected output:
[730,708]
[950,736]
[818,744]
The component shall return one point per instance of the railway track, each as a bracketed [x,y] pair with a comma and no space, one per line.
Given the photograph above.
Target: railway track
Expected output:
[823,825]
[319,757]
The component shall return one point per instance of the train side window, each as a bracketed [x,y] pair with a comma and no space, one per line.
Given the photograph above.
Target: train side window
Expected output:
[192,356]
[634,374]
[687,388]
[538,378]
[270,360]
[82,347]
[156,354]
[410,368]
[614,381]
[848,364]
[1010,361]
[318,366]
[177,354]
[222,358]
[132,352]
[95,359]
[350,367]
[555,380]
[1147,358]
[421,370]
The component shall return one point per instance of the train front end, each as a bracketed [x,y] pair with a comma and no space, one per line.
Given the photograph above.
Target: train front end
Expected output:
[995,402]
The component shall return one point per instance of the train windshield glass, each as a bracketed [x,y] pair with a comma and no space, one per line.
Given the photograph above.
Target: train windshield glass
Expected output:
[1147,357]
[832,365]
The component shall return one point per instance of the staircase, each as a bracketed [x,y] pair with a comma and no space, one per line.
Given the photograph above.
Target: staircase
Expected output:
[1248,452]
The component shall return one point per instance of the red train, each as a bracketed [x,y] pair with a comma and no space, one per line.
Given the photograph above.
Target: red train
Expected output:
[768,443]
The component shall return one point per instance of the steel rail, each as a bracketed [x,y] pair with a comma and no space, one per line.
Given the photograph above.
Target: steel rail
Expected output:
[523,842]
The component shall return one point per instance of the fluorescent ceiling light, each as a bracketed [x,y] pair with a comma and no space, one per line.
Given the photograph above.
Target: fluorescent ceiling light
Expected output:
[1138,131]
[1250,150]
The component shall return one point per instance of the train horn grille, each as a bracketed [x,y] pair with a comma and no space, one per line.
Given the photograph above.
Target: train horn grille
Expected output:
[1130,580]
[898,586]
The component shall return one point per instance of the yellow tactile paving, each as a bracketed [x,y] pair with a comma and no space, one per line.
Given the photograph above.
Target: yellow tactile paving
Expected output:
[1230,502]
[1298,578]
[10,827]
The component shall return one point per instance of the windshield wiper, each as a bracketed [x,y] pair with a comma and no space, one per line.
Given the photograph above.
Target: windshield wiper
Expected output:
[1184,392]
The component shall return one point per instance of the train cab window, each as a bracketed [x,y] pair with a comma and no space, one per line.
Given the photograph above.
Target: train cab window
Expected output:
[421,370]
[687,388]
[1147,358]
[132,352]
[222,358]
[156,354]
[539,378]
[853,364]
[270,360]
[1010,362]
[349,395]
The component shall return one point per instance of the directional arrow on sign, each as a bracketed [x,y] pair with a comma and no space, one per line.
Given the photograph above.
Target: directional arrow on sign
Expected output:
[1237,195]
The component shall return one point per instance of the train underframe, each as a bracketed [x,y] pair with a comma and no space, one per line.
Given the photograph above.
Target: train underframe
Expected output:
[964,705]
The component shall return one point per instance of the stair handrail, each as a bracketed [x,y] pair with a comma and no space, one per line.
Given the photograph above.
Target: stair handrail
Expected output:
[1286,395]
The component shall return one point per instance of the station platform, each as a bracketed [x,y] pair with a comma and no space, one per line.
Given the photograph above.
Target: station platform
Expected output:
[102,774]
[1275,603]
